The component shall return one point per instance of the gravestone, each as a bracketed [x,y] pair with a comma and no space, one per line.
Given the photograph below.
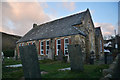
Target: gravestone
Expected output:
[92,57]
[76,57]
[50,55]
[29,58]
[60,55]
[105,57]
[116,70]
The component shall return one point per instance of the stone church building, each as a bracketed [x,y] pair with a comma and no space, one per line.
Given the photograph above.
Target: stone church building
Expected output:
[99,42]
[53,36]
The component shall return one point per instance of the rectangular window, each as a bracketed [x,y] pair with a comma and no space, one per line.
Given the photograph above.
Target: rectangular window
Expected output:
[47,47]
[32,43]
[66,43]
[88,24]
[58,45]
[42,49]
[28,43]
[22,44]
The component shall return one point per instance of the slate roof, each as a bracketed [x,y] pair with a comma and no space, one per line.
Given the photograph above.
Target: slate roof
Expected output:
[57,28]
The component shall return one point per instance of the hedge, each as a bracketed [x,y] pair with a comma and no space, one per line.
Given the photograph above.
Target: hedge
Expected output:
[8,53]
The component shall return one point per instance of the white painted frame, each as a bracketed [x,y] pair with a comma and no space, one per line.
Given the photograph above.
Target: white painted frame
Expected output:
[64,45]
[33,42]
[22,44]
[57,46]
[41,48]
[46,46]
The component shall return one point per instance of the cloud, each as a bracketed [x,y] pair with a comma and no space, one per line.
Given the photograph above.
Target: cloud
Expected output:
[18,17]
[0,29]
[107,28]
[69,5]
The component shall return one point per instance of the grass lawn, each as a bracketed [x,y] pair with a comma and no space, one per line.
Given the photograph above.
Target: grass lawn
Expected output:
[90,71]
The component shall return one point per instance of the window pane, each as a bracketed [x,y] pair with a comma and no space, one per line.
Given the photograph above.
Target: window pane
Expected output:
[58,46]
[47,52]
[66,52]
[58,42]
[41,52]
[66,47]
[58,51]
[41,47]
[47,47]
[47,42]
[66,40]
[41,43]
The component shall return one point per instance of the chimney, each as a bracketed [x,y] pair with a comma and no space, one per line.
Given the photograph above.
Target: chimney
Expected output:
[34,25]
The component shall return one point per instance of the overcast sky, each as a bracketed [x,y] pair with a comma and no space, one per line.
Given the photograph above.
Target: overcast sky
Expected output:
[18,17]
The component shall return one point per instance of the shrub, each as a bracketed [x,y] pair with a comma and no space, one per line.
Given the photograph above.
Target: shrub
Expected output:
[55,58]
[8,53]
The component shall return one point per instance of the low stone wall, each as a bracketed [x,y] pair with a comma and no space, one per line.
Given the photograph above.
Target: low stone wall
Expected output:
[113,71]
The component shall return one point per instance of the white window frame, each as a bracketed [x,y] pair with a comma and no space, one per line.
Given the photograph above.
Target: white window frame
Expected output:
[57,46]
[32,42]
[41,50]
[22,44]
[65,44]
[46,46]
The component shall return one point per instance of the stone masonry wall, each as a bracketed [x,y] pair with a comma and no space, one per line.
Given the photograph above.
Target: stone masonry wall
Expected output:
[88,27]
[52,46]
[97,44]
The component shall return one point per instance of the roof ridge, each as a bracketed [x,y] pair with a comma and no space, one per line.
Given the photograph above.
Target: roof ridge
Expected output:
[58,27]
[10,34]
[62,18]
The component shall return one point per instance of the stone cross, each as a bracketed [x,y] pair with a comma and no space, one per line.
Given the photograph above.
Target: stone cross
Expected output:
[29,58]
[76,57]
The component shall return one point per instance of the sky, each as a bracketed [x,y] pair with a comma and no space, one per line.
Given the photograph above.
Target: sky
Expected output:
[18,17]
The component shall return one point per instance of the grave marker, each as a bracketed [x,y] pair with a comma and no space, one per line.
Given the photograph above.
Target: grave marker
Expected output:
[76,57]
[50,55]
[60,55]
[29,58]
